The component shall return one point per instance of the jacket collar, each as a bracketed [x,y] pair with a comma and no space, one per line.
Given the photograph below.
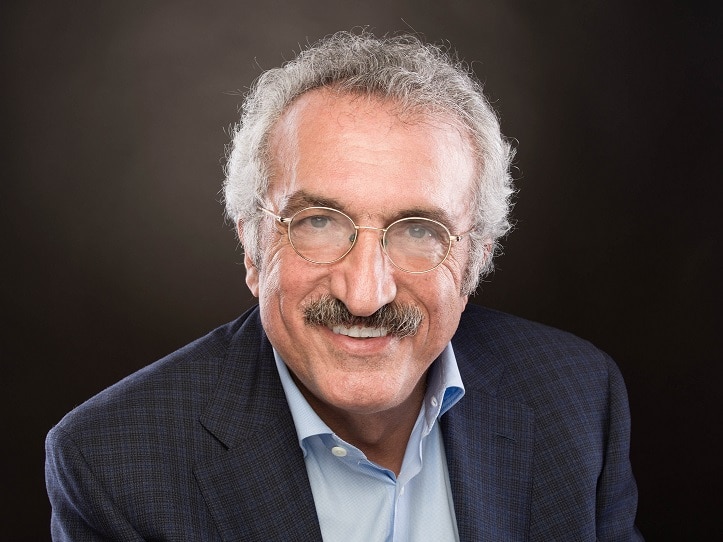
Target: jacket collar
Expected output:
[489,446]
[256,486]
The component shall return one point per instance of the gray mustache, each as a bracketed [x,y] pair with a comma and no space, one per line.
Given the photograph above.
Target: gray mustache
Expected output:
[398,320]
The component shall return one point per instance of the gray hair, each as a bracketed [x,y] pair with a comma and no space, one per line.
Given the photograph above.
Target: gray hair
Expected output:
[417,77]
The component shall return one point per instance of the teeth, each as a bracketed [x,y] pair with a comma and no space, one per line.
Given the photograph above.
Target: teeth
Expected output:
[359,331]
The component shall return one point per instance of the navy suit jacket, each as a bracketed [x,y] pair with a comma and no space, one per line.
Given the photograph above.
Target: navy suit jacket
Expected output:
[201,445]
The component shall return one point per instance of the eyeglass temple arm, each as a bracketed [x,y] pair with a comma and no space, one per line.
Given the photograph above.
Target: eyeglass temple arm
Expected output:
[457,238]
[278,218]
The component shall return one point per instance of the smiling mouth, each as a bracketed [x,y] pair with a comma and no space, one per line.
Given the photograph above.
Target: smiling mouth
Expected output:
[359,332]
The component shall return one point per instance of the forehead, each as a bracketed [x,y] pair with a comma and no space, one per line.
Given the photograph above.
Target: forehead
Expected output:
[370,157]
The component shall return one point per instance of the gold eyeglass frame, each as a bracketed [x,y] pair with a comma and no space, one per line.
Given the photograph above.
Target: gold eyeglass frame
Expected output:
[287,221]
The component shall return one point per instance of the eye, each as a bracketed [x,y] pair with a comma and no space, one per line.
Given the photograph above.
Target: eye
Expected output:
[418,231]
[315,220]
[318,221]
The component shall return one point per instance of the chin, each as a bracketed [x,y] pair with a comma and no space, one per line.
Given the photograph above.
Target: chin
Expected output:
[366,398]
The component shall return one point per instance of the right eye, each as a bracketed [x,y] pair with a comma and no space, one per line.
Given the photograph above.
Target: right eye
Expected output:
[314,222]
[317,221]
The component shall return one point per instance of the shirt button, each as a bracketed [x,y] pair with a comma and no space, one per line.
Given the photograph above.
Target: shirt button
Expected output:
[338,451]
[434,401]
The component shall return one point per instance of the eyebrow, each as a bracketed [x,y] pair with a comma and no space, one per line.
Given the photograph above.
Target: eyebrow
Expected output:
[302,199]
[433,213]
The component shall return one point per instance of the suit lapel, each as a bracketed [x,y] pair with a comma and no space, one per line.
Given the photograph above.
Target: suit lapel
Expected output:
[256,487]
[254,494]
[488,443]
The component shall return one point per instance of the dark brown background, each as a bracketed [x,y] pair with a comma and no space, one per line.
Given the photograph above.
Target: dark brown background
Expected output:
[115,252]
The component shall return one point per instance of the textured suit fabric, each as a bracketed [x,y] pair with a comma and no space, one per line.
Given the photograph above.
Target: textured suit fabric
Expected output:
[201,445]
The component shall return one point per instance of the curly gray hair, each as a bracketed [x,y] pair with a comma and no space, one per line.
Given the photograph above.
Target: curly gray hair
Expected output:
[418,77]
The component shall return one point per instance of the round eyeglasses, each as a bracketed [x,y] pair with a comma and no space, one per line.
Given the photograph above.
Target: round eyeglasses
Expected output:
[324,235]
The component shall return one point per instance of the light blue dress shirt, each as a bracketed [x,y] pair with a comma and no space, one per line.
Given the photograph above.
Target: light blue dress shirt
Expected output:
[357,500]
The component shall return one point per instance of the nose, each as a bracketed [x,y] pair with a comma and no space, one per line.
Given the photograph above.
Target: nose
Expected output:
[363,280]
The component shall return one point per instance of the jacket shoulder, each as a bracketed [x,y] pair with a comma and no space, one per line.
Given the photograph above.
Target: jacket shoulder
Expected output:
[509,354]
[179,384]
[496,330]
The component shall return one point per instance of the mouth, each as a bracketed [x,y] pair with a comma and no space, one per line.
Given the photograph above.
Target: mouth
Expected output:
[391,320]
[359,332]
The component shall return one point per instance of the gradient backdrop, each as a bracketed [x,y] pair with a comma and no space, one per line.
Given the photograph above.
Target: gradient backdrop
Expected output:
[115,251]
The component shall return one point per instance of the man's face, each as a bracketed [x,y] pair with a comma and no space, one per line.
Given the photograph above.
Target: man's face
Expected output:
[356,155]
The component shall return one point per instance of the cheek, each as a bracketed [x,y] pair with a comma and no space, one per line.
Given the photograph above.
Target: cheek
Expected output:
[269,282]
[275,294]
[286,281]
[442,299]
[275,301]
[275,264]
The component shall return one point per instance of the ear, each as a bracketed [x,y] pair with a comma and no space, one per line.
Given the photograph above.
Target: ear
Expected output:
[252,275]
[252,272]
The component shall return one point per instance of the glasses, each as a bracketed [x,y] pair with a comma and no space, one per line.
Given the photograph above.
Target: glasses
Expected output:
[324,235]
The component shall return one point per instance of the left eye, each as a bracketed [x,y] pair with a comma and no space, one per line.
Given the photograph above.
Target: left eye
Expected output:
[418,231]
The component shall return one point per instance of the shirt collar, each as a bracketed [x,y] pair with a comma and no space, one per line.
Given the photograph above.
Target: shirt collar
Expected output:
[444,390]
[444,386]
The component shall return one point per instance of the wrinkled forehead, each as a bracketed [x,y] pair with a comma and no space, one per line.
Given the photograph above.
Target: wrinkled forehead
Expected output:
[356,106]
[361,102]
[370,153]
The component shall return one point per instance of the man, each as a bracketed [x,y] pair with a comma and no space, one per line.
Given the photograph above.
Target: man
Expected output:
[363,399]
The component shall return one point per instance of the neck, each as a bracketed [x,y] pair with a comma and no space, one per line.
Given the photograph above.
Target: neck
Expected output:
[382,436]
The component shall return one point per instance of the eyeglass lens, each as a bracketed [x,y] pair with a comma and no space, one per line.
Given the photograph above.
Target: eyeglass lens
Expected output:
[324,235]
